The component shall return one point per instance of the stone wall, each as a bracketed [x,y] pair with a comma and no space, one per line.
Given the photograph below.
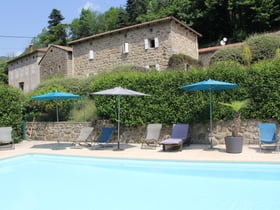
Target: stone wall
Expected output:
[56,60]
[25,70]
[198,133]
[108,51]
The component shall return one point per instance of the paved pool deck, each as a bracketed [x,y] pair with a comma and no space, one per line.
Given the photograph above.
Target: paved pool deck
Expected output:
[250,153]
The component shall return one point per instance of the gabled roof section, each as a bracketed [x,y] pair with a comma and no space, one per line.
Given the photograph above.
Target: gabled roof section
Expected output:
[67,49]
[42,50]
[135,26]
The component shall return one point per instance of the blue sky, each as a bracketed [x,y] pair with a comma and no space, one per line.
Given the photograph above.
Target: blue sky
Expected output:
[27,18]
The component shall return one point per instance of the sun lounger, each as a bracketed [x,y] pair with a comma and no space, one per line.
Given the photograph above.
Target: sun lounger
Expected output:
[152,135]
[268,135]
[83,137]
[104,137]
[178,137]
[6,140]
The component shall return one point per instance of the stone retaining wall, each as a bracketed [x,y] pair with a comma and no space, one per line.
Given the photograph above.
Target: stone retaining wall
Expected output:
[198,133]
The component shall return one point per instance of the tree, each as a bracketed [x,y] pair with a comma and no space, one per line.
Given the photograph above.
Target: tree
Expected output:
[57,30]
[3,72]
[115,18]
[90,22]
[136,8]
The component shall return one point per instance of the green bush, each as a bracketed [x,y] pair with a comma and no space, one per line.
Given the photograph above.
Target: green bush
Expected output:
[168,104]
[46,110]
[263,46]
[11,108]
[181,61]
[227,54]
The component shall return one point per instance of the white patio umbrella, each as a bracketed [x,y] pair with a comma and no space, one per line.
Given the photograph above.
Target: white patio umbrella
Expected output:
[119,91]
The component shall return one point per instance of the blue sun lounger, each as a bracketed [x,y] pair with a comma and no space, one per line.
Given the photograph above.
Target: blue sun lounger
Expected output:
[268,135]
[178,137]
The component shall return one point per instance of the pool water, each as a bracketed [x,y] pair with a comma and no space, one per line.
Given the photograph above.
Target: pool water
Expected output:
[51,182]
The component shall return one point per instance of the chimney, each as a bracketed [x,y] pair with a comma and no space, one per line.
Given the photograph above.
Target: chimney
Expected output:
[31,48]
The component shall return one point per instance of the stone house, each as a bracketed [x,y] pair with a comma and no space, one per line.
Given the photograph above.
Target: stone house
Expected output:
[57,60]
[24,72]
[145,45]
[149,44]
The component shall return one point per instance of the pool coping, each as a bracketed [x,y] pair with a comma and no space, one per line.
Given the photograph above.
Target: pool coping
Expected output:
[250,153]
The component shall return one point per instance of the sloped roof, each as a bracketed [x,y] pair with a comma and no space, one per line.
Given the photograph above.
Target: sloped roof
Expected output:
[67,49]
[134,26]
[215,48]
[43,50]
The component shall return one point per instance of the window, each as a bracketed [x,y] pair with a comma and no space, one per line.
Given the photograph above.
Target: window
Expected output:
[151,43]
[21,85]
[125,48]
[156,66]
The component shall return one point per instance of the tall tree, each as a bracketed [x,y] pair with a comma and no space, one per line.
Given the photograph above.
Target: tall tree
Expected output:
[90,22]
[57,30]
[136,8]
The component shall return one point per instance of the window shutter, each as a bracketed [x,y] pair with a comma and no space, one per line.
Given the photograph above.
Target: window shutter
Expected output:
[91,55]
[125,48]
[156,42]
[157,67]
[146,43]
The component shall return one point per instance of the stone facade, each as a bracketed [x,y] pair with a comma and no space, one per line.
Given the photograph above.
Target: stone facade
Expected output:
[198,133]
[57,60]
[24,72]
[146,45]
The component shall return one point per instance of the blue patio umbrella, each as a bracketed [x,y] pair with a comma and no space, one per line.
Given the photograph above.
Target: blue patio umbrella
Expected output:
[210,85]
[55,96]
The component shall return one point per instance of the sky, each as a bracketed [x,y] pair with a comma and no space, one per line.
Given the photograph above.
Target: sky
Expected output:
[20,20]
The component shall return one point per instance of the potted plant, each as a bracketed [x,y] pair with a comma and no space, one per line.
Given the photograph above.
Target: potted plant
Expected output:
[234,143]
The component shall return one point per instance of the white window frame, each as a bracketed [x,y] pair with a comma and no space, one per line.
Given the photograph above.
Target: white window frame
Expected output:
[148,45]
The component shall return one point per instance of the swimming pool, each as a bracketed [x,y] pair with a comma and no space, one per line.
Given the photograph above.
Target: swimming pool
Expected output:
[50,182]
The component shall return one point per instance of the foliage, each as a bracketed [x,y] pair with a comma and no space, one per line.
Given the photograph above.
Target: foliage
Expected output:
[46,110]
[167,103]
[135,8]
[177,61]
[83,110]
[255,48]
[246,55]
[11,108]
[227,54]
[3,72]
[236,107]
[214,19]
[263,46]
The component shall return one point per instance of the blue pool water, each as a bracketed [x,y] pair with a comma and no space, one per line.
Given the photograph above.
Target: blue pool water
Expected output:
[46,182]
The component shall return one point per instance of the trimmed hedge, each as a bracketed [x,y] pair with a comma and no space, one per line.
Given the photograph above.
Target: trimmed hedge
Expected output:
[11,108]
[168,104]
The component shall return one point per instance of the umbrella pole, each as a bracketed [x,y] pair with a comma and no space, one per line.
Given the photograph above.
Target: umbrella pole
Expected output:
[211,125]
[57,120]
[119,113]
